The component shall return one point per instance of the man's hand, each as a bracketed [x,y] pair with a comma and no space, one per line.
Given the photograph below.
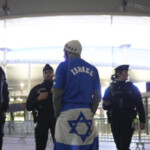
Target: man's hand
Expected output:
[42,96]
[142,126]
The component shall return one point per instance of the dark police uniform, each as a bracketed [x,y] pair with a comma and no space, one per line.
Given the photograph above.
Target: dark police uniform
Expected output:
[125,101]
[4,103]
[45,114]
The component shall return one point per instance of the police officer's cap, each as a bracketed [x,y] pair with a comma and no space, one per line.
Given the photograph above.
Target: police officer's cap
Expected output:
[122,67]
[47,67]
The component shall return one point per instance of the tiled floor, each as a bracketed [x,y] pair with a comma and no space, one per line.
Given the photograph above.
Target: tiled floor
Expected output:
[13,143]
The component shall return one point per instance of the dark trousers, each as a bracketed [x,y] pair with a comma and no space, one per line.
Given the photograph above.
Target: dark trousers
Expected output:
[44,123]
[2,122]
[122,131]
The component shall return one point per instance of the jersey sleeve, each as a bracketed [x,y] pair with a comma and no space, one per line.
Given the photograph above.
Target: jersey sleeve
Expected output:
[59,80]
[97,85]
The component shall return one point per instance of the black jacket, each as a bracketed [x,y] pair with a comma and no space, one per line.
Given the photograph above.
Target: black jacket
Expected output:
[124,96]
[4,94]
[44,105]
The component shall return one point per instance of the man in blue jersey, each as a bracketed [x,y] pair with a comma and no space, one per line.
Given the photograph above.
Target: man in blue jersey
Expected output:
[77,94]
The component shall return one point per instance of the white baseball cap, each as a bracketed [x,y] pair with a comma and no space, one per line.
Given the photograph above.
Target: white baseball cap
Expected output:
[73,46]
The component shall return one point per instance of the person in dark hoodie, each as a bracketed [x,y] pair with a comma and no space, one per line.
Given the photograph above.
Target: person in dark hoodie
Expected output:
[40,103]
[123,101]
[4,103]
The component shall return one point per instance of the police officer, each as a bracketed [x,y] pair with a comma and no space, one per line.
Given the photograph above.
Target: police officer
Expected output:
[40,103]
[4,103]
[123,101]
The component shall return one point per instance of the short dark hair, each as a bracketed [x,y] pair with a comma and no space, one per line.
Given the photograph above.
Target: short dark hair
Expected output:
[47,67]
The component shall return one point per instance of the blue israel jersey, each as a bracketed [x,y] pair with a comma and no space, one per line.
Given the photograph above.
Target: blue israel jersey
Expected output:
[78,79]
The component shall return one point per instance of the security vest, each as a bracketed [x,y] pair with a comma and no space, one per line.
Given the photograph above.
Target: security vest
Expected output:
[122,96]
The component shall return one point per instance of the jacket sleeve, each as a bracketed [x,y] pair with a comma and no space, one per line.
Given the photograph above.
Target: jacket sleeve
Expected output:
[32,102]
[5,104]
[139,105]
[107,97]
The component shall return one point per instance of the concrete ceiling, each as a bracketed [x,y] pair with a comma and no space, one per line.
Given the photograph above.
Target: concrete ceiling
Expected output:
[53,7]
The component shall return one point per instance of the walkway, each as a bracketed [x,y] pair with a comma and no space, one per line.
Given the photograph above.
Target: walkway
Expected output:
[13,143]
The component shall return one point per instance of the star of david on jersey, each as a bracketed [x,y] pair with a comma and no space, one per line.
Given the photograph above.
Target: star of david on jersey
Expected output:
[81,119]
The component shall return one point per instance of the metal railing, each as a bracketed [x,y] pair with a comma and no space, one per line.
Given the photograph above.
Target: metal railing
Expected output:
[139,137]
[26,129]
